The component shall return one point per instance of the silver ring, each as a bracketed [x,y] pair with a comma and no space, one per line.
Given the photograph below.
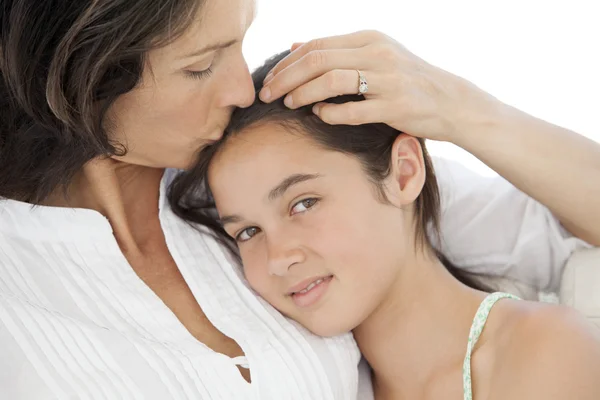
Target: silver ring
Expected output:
[363,86]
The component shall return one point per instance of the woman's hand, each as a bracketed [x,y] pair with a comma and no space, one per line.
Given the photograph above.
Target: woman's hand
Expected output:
[555,166]
[404,91]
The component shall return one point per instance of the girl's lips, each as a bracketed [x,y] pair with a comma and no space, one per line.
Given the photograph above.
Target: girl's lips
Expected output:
[312,292]
[303,285]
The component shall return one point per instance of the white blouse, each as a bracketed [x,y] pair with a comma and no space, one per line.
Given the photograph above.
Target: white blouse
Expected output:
[76,322]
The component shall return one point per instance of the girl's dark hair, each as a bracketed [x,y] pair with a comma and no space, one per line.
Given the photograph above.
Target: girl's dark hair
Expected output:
[371,144]
[62,65]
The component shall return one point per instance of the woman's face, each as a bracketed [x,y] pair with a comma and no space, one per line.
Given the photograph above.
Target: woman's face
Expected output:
[315,240]
[188,89]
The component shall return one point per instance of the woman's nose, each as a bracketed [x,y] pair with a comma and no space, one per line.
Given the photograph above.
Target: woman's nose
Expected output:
[240,90]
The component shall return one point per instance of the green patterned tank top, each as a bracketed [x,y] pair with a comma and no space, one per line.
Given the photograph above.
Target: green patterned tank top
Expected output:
[478,324]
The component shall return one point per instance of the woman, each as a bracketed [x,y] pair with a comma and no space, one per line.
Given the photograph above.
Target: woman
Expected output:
[105,293]
[335,237]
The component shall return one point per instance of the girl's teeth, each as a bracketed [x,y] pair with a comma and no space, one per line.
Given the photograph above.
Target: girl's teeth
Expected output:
[312,285]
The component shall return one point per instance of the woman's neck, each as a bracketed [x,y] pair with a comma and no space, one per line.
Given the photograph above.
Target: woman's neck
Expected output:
[127,195]
[420,330]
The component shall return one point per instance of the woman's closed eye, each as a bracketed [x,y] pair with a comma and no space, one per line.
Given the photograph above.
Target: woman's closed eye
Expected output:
[202,70]
[199,74]
[304,205]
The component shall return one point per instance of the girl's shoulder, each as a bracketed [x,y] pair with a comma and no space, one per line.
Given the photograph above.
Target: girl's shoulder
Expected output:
[544,351]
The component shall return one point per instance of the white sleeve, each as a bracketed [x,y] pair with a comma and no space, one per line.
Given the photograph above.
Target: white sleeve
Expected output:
[490,227]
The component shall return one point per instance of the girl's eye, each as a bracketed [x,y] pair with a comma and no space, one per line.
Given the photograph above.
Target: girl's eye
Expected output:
[199,74]
[304,205]
[247,234]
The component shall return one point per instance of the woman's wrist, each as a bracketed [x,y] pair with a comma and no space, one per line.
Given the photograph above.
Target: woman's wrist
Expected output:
[477,116]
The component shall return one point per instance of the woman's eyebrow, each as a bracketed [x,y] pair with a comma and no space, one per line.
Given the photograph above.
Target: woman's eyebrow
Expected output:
[206,49]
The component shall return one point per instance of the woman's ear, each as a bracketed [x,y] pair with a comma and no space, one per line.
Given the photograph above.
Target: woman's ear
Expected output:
[407,171]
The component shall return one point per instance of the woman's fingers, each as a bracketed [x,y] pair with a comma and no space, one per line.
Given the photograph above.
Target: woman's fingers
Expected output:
[296,45]
[350,41]
[351,113]
[331,84]
[312,66]
[404,91]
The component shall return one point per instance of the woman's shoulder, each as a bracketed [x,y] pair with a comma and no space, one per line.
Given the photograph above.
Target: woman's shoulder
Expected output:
[548,352]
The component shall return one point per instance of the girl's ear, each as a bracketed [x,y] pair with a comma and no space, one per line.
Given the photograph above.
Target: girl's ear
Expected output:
[407,171]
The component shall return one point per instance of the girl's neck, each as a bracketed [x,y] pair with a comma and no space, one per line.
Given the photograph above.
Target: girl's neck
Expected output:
[420,331]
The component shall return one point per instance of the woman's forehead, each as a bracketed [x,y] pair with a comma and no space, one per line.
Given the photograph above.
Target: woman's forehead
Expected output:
[219,23]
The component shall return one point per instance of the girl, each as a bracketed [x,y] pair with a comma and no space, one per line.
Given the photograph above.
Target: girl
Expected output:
[333,223]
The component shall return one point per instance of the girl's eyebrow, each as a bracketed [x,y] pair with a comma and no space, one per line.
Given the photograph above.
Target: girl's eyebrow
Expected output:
[288,182]
[278,191]
[230,219]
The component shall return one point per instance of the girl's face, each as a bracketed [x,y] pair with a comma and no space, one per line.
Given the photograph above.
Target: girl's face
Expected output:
[315,240]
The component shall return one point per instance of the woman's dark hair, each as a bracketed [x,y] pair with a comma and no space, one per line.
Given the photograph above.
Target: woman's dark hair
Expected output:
[371,144]
[62,64]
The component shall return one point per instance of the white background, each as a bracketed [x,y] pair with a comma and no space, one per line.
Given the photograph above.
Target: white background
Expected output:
[540,56]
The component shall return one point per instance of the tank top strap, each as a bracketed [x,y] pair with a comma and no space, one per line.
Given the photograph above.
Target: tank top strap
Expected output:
[476,328]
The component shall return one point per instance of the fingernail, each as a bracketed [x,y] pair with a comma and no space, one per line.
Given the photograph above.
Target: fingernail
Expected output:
[317,109]
[268,78]
[265,94]
[289,101]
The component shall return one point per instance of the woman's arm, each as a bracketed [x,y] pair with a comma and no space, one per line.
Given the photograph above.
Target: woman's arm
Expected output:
[559,168]
[489,227]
